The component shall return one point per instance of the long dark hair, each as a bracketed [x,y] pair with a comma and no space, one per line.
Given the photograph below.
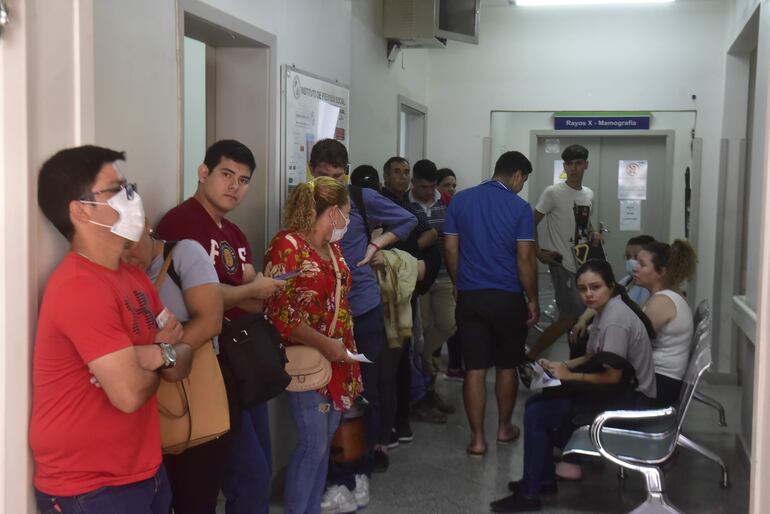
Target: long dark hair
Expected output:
[604,270]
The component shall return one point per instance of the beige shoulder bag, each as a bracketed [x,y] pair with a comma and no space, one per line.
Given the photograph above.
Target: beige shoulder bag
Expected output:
[308,368]
[192,411]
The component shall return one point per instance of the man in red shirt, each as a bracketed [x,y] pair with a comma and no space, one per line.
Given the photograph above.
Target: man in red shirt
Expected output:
[94,431]
[223,180]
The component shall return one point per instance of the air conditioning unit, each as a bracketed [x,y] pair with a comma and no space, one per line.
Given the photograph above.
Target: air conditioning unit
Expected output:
[429,23]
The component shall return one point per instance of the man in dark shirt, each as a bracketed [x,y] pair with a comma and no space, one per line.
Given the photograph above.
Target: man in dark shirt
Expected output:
[396,175]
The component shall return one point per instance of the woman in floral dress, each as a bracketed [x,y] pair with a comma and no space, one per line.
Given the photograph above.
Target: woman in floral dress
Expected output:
[316,217]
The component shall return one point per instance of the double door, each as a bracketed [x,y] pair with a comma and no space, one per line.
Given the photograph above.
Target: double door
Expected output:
[601,176]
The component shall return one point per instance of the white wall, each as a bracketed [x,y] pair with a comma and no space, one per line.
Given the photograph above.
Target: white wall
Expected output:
[583,59]
[137,95]
[375,87]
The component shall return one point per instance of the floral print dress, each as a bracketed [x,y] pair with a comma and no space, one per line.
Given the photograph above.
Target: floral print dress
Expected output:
[309,297]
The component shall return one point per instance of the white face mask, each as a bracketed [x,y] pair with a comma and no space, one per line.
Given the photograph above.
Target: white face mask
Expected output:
[631,265]
[130,224]
[338,233]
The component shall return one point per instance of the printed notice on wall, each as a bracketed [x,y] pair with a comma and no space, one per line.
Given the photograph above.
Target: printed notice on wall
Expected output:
[630,215]
[632,180]
[559,175]
[552,146]
[313,109]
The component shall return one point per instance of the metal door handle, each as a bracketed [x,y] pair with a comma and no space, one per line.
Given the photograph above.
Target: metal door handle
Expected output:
[4,19]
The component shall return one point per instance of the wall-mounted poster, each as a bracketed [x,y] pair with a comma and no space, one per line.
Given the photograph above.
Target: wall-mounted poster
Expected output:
[630,215]
[313,109]
[632,180]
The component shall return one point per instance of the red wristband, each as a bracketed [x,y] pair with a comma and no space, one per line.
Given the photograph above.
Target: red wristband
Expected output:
[375,245]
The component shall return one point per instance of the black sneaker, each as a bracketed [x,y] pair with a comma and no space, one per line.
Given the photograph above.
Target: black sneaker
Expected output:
[513,486]
[393,443]
[423,411]
[516,503]
[380,462]
[404,433]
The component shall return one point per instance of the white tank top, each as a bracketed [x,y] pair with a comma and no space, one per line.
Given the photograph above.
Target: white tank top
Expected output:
[671,347]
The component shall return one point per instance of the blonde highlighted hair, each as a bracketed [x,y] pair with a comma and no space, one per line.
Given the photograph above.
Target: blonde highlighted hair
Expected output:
[679,259]
[310,199]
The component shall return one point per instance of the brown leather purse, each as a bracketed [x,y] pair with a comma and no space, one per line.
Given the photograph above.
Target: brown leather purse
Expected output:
[308,368]
[192,411]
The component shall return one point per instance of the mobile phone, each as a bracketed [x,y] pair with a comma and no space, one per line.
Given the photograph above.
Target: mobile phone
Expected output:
[547,372]
[162,318]
[287,276]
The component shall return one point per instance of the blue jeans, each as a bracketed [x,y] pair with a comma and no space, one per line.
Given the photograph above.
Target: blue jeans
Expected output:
[369,333]
[542,417]
[316,421]
[151,496]
[246,483]
[549,420]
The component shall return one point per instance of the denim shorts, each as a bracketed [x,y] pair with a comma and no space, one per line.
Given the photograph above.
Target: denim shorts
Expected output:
[565,290]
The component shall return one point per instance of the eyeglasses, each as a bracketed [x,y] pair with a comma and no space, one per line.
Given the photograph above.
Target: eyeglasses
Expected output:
[130,188]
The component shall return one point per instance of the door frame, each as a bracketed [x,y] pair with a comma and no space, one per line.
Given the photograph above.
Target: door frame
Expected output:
[247,32]
[668,135]
[410,104]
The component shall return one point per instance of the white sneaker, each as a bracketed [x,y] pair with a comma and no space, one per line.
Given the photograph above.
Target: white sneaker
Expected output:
[338,500]
[361,492]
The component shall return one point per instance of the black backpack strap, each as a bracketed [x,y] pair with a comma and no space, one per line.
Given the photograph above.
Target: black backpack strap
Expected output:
[168,247]
[357,196]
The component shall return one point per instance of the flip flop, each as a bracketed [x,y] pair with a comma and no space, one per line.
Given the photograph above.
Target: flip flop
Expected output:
[517,434]
[476,453]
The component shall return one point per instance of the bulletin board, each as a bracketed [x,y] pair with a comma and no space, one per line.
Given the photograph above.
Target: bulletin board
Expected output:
[312,108]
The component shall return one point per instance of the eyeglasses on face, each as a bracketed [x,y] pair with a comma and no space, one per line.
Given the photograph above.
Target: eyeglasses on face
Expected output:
[130,188]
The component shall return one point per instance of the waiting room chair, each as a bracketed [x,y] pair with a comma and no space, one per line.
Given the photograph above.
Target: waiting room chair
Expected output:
[701,315]
[647,438]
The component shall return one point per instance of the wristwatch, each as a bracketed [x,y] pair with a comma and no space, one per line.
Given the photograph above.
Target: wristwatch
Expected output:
[169,356]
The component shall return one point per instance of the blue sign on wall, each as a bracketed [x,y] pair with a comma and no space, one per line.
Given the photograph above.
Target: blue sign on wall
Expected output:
[601,121]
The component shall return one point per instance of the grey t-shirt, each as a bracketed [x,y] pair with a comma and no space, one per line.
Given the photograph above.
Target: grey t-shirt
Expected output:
[619,330]
[194,268]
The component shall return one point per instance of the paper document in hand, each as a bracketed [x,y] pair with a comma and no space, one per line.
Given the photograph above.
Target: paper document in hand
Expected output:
[540,378]
[360,357]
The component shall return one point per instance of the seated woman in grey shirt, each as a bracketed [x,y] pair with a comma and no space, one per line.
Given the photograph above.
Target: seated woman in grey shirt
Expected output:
[616,373]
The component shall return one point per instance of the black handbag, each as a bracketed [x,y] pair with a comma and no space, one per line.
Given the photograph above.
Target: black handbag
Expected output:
[251,347]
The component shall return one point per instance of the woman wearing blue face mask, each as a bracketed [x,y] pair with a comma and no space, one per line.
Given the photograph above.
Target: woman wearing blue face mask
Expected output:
[313,310]
[637,293]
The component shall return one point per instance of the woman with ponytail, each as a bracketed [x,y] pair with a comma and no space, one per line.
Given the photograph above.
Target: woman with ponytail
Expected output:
[615,373]
[662,269]
[306,252]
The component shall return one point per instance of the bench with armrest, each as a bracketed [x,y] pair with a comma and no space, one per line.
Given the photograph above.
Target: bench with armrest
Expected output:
[644,440]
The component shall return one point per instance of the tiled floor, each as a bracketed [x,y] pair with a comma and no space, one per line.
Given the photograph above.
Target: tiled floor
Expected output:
[433,473]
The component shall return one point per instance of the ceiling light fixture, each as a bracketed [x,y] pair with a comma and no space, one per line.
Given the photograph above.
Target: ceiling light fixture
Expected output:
[540,3]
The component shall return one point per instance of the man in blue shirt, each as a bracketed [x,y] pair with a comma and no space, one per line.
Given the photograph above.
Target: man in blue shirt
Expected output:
[329,158]
[490,255]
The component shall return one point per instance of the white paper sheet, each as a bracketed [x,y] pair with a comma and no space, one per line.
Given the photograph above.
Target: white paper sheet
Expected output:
[632,180]
[630,215]
[540,379]
[360,357]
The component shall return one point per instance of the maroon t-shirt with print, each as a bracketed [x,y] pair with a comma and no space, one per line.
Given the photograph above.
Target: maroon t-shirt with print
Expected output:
[227,246]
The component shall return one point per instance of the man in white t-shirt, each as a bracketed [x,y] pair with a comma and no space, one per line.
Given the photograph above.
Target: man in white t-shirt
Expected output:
[566,209]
